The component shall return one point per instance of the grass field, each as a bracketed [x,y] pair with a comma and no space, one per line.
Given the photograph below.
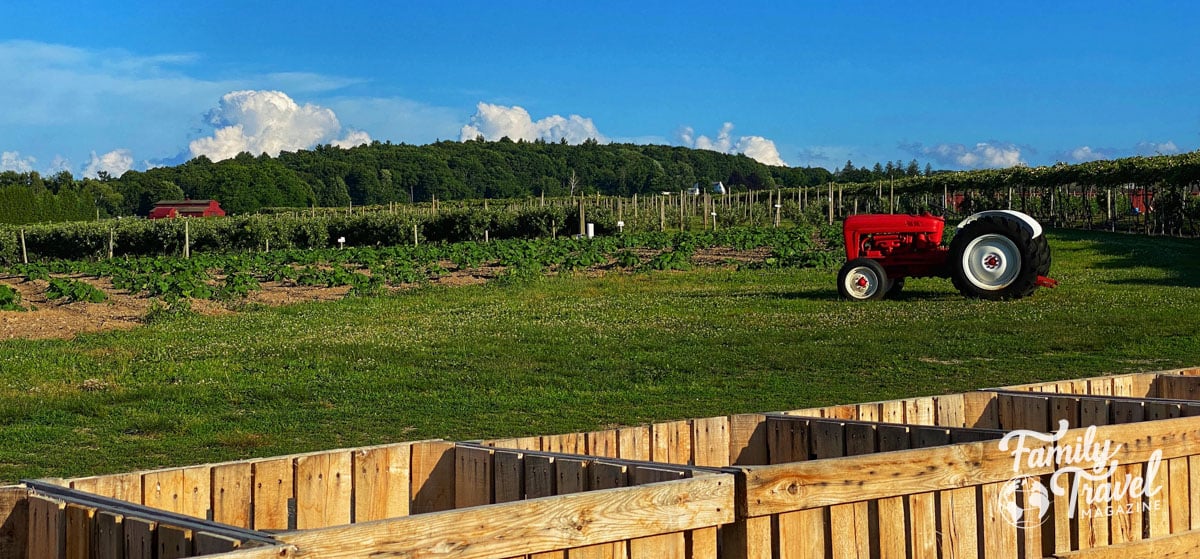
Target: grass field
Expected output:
[574,353]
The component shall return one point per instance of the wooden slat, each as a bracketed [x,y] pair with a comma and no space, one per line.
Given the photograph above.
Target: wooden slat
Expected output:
[1177,387]
[747,439]
[274,486]
[570,443]
[958,510]
[671,442]
[432,477]
[979,410]
[509,481]
[924,534]
[951,411]
[126,487]
[381,482]
[14,522]
[173,542]
[710,441]
[633,443]
[232,494]
[139,538]
[324,486]
[892,411]
[999,532]
[163,490]
[81,531]
[1180,500]
[602,443]
[46,538]
[602,475]
[540,476]
[204,543]
[110,535]
[893,528]
[665,546]
[473,477]
[750,538]
[919,411]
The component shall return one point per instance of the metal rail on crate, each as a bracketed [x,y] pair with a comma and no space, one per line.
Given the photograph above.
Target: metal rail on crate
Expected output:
[129,509]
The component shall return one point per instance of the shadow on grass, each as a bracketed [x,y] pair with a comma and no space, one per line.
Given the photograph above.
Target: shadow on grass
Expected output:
[1177,259]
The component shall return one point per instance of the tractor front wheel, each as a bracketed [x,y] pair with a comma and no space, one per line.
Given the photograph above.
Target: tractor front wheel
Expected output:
[995,258]
[862,279]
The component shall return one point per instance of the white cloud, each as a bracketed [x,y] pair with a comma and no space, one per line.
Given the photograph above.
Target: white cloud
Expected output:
[268,122]
[756,147]
[760,149]
[1155,148]
[12,161]
[981,155]
[353,138]
[1087,153]
[115,163]
[497,121]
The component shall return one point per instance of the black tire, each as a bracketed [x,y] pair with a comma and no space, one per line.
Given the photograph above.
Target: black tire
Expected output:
[862,279]
[894,288]
[994,258]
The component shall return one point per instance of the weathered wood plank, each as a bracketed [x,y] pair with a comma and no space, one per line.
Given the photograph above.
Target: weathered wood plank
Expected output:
[139,538]
[232,494]
[172,542]
[633,443]
[432,477]
[509,482]
[999,534]
[324,489]
[602,443]
[924,533]
[951,411]
[14,522]
[747,439]
[672,442]
[81,531]
[204,543]
[274,486]
[110,535]
[1180,500]
[46,537]
[510,529]
[958,512]
[979,410]
[126,487]
[710,441]
[473,477]
[381,482]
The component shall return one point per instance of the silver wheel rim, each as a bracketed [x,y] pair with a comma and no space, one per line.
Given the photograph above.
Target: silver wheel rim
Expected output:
[991,262]
[861,282]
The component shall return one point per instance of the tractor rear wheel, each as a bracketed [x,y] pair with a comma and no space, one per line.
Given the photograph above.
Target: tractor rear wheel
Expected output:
[862,279]
[995,258]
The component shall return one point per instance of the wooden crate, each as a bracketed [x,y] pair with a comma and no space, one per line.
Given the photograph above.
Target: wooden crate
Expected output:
[911,478]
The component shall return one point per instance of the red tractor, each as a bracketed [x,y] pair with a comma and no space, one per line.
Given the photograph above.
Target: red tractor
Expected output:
[999,254]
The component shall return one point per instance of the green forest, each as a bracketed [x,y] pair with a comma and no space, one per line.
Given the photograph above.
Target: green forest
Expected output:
[382,173]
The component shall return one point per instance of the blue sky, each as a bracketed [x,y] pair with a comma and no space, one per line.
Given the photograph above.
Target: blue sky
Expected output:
[95,86]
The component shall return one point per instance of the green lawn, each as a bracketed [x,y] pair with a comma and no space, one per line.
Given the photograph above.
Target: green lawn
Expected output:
[574,353]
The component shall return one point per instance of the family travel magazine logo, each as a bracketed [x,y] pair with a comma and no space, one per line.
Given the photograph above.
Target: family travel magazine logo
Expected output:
[1083,469]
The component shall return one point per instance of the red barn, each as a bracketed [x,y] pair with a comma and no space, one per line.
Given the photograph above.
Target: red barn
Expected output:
[186,208]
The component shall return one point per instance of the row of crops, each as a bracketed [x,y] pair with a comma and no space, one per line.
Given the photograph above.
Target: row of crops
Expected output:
[369,270]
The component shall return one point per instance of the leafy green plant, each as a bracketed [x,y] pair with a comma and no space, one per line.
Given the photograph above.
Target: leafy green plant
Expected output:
[10,299]
[238,285]
[74,290]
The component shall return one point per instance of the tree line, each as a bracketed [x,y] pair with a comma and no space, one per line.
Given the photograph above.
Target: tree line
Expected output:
[383,173]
